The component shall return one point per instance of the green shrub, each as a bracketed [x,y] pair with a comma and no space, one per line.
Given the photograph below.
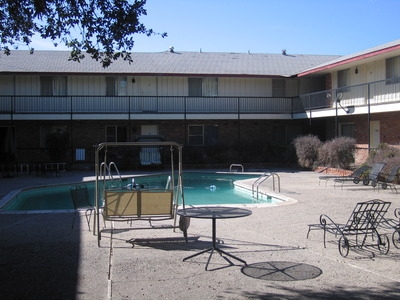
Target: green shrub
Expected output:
[307,150]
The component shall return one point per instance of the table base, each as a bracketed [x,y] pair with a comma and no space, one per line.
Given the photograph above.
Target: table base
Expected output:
[212,249]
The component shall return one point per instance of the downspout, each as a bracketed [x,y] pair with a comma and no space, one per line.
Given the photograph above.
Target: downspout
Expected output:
[185,124]
[239,144]
[129,118]
[369,119]
[336,117]
[72,133]
[12,100]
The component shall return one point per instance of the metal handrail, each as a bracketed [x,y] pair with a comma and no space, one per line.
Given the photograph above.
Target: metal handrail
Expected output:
[116,170]
[261,179]
[104,169]
[235,165]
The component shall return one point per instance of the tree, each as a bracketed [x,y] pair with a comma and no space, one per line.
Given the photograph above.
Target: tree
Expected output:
[103,29]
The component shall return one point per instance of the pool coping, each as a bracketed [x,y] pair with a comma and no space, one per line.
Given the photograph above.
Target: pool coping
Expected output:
[241,184]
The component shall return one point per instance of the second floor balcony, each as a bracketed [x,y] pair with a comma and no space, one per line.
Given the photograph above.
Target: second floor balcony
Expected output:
[136,107]
[352,97]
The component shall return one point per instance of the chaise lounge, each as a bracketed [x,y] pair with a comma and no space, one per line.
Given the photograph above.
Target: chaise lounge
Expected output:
[390,180]
[356,176]
[361,229]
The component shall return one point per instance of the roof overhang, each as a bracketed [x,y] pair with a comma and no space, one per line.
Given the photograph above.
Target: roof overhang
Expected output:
[351,60]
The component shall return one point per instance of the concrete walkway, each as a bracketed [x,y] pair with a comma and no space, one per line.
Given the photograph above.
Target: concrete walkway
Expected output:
[41,257]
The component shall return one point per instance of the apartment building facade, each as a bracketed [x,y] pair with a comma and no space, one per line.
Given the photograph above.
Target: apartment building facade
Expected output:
[223,107]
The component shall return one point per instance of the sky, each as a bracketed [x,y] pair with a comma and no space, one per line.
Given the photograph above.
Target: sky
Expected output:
[336,27]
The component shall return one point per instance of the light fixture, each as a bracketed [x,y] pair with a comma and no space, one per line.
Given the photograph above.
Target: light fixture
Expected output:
[133,80]
[338,98]
[346,109]
[356,70]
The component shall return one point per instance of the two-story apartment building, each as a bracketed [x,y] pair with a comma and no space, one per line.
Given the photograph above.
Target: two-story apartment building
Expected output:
[223,107]
[361,98]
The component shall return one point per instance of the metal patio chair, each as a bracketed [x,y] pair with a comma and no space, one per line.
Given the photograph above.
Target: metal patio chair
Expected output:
[374,175]
[396,233]
[355,177]
[361,228]
[390,180]
[81,201]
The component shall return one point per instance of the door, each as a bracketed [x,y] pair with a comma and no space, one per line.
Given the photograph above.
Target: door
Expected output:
[7,150]
[375,134]
[148,86]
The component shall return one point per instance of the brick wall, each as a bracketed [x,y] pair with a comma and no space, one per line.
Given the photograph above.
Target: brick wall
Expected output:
[361,154]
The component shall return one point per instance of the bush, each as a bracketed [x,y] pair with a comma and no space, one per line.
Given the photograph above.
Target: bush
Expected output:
[307,150]
[387,154]
[337,153]
[324,155]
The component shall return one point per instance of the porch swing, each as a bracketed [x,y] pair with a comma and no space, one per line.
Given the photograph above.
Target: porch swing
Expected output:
[130,203]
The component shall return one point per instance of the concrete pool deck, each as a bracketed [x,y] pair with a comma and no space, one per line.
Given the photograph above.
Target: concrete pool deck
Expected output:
[41,257]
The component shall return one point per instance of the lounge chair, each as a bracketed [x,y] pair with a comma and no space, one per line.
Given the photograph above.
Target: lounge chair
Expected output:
[360,228]
[396,233]
[373,176]
[390,180]
[81,201]
[356,176]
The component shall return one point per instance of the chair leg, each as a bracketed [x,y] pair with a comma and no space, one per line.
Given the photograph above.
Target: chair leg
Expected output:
[73,220]
[88,216]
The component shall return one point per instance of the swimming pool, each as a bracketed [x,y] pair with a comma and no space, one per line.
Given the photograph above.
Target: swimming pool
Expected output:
[200,188]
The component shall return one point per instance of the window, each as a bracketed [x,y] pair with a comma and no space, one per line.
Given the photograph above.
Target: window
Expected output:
[53,85]
[210,87]
[116,86]
[116,133]
[343,81]
[393,70]
[203,135]
[347,129]
[278,88]
[195,87]
[50,131]
[203,87]
[56,141]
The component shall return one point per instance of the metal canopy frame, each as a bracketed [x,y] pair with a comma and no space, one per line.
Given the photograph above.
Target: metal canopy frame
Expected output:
[177,189]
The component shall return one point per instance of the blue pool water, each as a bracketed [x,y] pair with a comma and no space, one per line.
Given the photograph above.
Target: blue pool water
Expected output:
[199,189]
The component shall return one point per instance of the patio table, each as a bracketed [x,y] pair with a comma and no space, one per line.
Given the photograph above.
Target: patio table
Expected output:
[214,213]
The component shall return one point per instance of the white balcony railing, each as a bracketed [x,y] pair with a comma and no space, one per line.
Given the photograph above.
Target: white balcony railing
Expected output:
[374,93]
[380,92]
[131,104]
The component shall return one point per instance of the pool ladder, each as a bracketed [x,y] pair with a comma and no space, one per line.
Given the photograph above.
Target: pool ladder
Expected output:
[236,165]
[104,169]
[256,184]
